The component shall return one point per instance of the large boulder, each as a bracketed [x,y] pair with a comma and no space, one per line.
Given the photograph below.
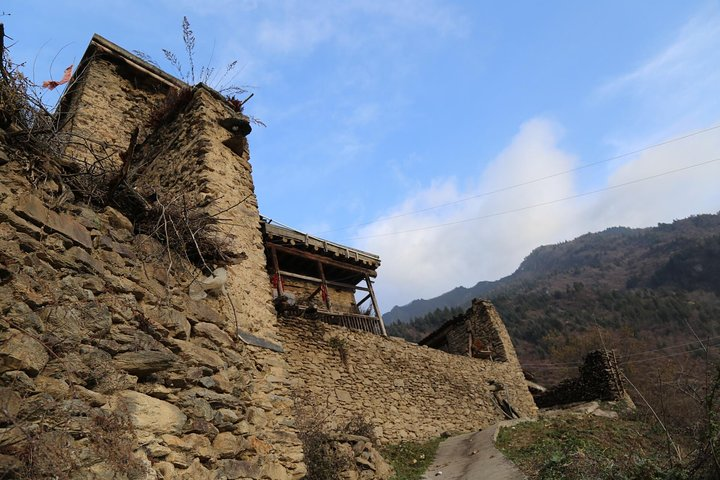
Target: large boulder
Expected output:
[148,414]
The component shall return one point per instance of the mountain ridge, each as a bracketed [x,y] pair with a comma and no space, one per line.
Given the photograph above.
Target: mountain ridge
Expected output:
[619,276]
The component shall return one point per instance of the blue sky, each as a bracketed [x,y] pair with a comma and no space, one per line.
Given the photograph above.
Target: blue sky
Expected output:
[378,109]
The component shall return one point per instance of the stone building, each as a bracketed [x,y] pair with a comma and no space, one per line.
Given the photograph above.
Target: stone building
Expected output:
[99,326]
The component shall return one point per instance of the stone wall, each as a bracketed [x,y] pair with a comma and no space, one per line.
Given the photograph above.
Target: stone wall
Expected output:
[97,323]
[188,160]
[107,101]
[94,322]
[406,391]
[599,379]
[479,332]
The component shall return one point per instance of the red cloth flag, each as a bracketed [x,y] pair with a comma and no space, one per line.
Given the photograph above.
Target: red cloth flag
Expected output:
[51,84]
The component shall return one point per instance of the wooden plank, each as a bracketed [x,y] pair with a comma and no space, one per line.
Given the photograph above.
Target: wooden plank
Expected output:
[276,266]
[324,284]
[317,290]
[325,260]
[333,283]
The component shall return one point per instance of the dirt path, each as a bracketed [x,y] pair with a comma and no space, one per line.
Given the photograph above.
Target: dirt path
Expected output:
[472,456]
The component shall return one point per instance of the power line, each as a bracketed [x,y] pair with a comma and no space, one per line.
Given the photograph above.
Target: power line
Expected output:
[543,204]
[660,357]
[560,365]
[667,348]
[528,182]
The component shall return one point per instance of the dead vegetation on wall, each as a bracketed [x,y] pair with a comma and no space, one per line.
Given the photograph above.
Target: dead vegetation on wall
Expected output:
[336,452]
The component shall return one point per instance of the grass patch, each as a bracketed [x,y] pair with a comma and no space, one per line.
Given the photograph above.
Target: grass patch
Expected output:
[410,459]
[572,448]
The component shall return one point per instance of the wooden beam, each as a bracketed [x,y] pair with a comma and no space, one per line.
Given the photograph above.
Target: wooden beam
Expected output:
[363,300]
[310,297]
[348,286]
[276,265]
[375,304]
[324,284]
[322,259]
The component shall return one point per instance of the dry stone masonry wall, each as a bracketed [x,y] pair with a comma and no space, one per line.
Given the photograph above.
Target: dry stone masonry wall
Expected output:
[94,324]
[406,391]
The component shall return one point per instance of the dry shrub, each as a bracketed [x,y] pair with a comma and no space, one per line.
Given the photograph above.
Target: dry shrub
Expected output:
[112,438]
[189,230]
[175,101]
[47,454]
[323,460]
[359,425]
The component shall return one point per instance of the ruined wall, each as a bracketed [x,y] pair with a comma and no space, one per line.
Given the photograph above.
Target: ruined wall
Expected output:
[479,332]
[405,390]
[599,379]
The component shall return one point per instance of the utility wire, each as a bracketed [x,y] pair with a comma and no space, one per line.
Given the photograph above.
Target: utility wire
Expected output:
[660,357]
[528,182]
[536,205]
[576,364]
[665,348]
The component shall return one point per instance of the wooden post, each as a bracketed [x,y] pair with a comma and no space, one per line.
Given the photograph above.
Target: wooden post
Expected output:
[324,284]
[375,304]
[276,266]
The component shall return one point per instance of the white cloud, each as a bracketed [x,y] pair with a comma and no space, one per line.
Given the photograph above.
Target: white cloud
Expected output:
[429,261]
[676,89]
[302,26]
[426,262]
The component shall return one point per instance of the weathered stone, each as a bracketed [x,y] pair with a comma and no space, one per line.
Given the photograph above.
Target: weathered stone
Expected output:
[202,426]
[166,470]
[34,210]
[117,219]
[173,321]
[145,362]
[275,471]
[151,414]
[213,333]
[56,387]
[257,417]
[199,311]
[199,355]
[227,445]
[9,404]
[20,351]
[83,258]
[235,469]
[343,396]
[196,471]
[259,446]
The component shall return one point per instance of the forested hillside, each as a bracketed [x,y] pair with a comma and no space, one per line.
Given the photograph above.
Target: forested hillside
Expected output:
[652,284]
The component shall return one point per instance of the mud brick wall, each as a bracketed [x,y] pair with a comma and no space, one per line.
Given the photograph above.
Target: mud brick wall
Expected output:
[406,391]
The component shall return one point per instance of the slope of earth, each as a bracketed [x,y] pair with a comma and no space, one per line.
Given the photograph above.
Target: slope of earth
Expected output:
[580,447]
